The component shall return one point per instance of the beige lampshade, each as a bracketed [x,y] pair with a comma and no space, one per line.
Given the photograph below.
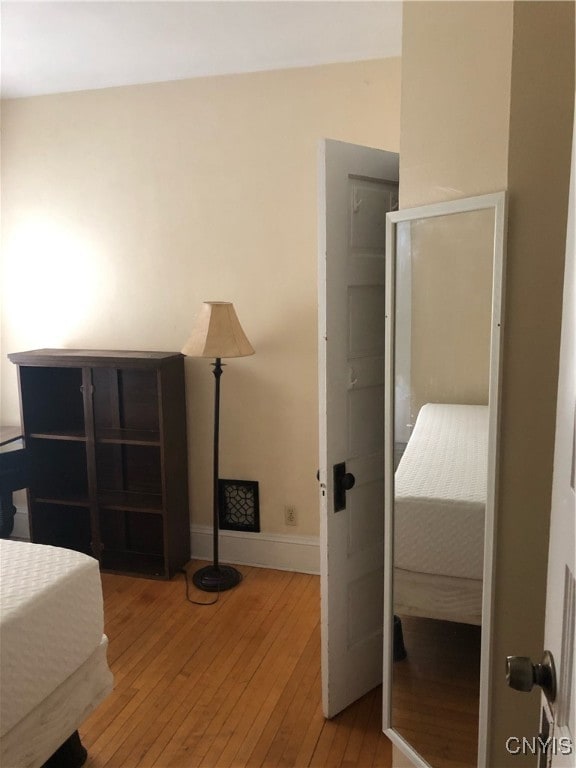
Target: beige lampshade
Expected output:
[217,333]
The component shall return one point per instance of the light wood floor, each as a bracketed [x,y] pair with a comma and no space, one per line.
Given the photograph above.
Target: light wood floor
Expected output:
[435,699]
[232,684]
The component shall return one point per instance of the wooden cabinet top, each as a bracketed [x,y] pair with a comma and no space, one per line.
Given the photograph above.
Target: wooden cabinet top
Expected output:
[76,358]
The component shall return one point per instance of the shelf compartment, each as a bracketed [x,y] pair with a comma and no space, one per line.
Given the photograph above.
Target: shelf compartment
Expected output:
[128,436]
[58,470]
[136,563]
[61,526]
[125,398]
[71,501]
[147,503]
[129,468]
[133,540]
[77,436]
[52,400]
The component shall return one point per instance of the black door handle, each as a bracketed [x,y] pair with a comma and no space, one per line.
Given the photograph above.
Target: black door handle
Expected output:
[348,481]
[343,481]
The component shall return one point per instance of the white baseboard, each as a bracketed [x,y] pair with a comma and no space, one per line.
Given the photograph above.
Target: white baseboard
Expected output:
[263,550]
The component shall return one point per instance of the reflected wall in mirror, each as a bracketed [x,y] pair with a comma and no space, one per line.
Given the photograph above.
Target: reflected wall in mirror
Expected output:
[443,333]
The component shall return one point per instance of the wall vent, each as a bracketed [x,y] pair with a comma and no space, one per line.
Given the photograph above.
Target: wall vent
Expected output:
[238,505]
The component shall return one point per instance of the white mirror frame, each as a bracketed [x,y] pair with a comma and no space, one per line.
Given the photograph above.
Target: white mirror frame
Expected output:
[496,202]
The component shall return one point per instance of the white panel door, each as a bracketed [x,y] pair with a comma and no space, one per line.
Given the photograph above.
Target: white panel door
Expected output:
[357,187]
[560,636]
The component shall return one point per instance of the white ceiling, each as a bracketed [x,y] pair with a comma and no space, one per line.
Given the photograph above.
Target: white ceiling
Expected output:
[53,47]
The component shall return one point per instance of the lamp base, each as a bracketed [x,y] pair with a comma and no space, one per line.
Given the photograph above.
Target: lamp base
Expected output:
[219,578]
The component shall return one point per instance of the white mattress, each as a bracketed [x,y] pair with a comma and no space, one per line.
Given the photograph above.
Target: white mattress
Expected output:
[446,598]
[51,621]
[38,735]
[440,492]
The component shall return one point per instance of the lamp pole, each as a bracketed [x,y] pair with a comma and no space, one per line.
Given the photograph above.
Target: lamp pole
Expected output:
[217,374]
[216,577]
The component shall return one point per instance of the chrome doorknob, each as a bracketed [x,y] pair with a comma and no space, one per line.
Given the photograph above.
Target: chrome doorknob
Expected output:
[522,674]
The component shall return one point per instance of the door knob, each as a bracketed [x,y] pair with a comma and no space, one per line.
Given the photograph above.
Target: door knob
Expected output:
[522,674]
[343,481]
[348,481]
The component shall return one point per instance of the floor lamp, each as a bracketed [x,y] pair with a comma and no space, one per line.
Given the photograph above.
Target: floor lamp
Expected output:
[217,333]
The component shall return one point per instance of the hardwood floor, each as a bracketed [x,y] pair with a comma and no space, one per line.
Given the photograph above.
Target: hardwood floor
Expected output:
[227,685]
[436,691]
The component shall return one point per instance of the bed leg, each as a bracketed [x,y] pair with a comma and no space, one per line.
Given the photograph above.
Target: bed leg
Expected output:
[70,755]
[399,651]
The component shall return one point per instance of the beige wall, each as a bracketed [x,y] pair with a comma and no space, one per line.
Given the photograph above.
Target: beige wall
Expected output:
[451,260]
[541,120]
[455,100]
[487,100]
[123,209]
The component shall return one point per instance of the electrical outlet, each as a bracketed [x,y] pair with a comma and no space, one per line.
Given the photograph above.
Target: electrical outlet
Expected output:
[290,516]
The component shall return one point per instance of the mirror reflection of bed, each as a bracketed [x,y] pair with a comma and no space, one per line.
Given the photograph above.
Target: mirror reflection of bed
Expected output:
[440,499]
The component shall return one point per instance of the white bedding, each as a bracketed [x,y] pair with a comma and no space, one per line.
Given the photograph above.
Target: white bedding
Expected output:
[38,735]
[51,621]
[440,492]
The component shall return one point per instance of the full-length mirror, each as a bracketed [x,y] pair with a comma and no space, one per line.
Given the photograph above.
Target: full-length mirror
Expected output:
[443,335]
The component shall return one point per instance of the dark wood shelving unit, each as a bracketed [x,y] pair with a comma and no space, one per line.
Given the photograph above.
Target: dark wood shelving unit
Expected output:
[106,436]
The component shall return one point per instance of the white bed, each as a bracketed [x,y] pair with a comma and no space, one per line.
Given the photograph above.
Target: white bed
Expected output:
[53,668]
[440,501]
